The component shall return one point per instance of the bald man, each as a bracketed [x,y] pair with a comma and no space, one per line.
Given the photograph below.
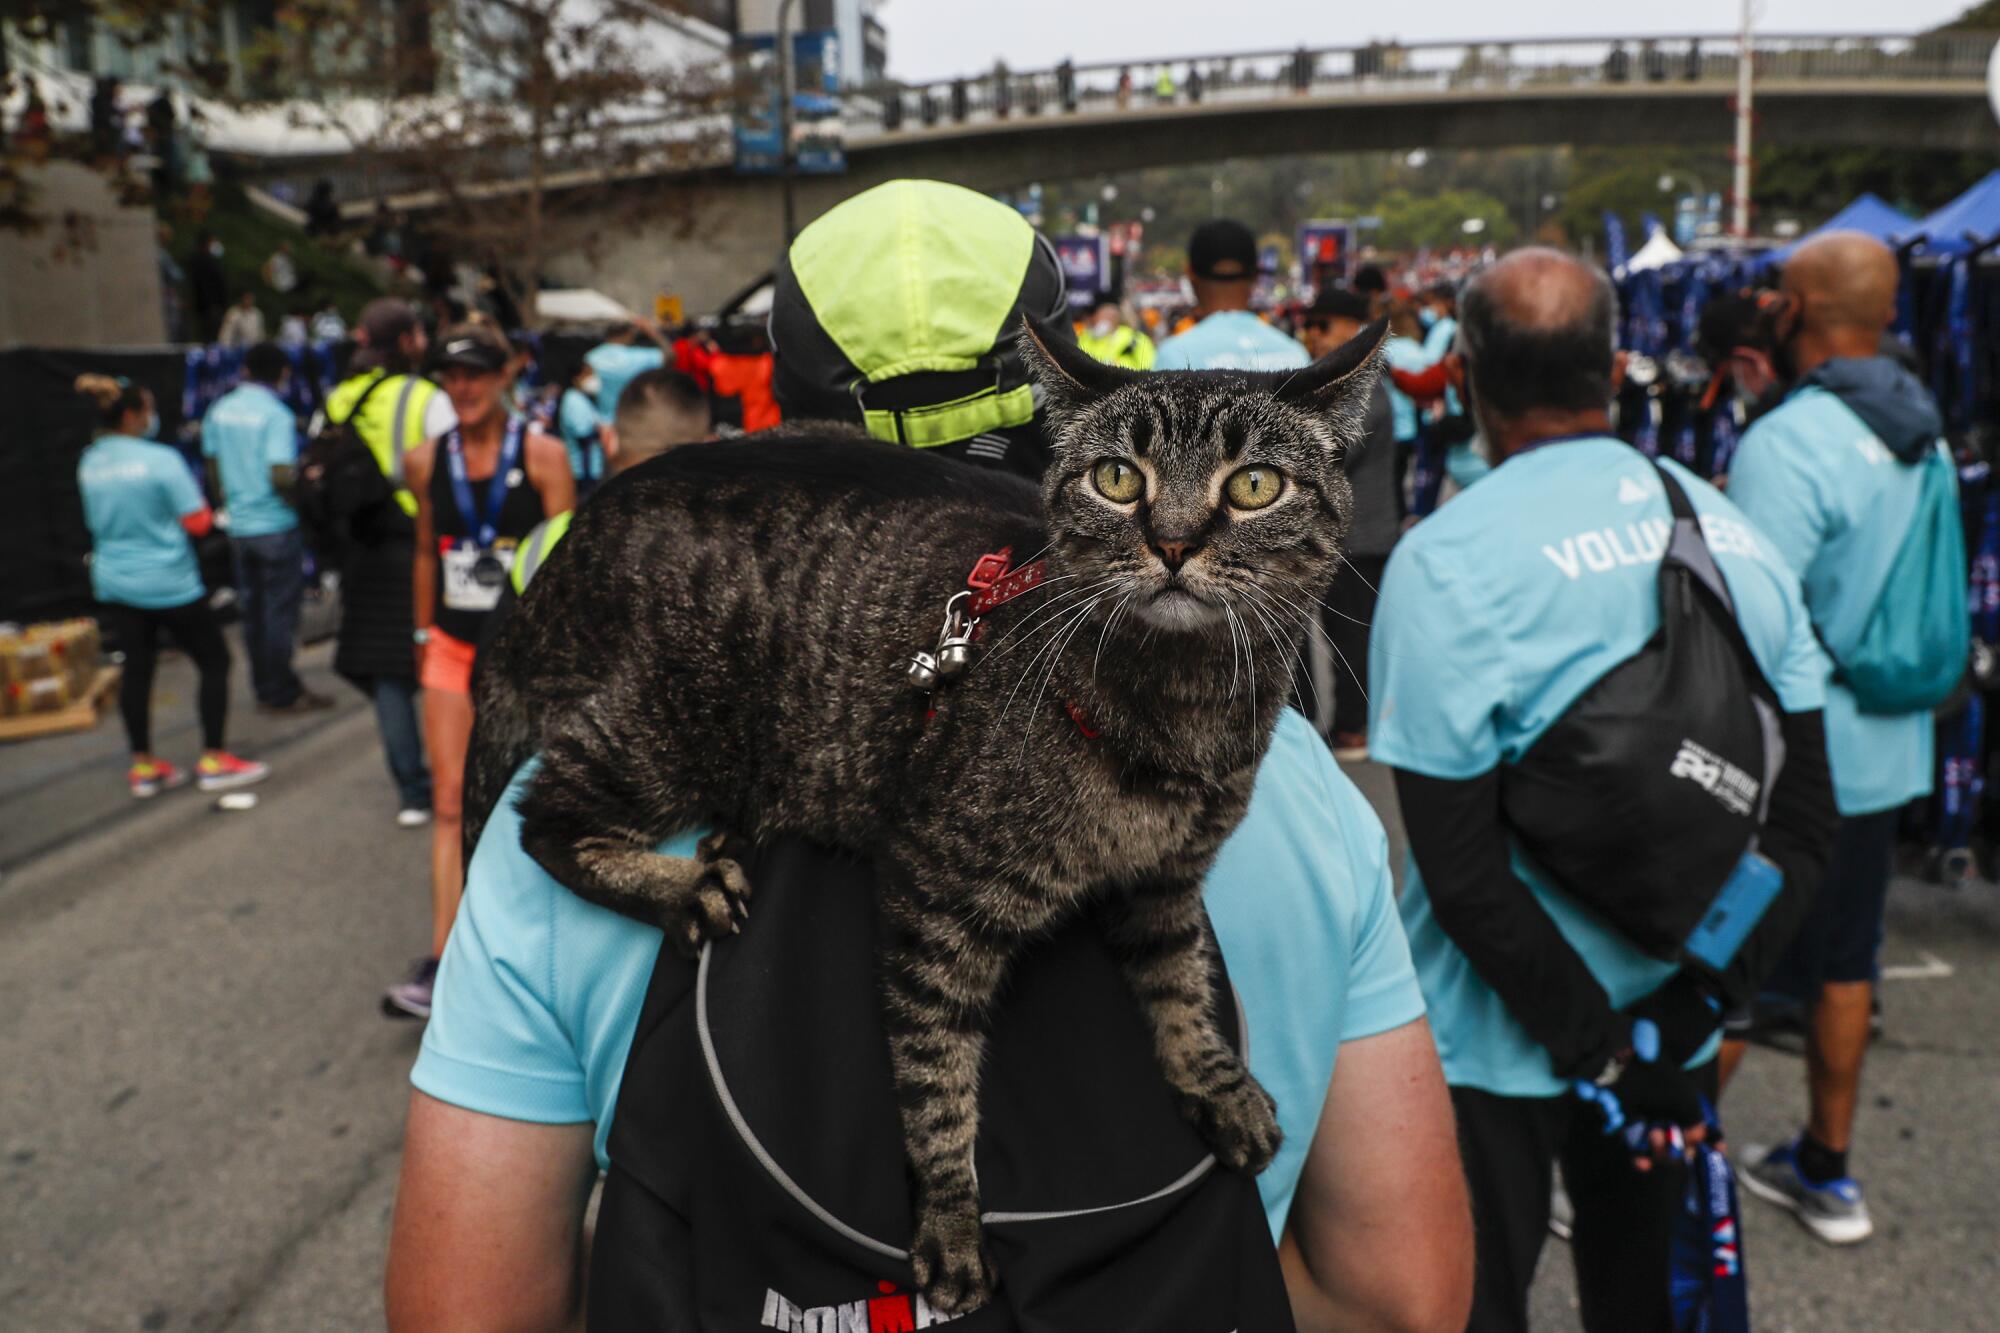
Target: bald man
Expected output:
[1831,476]
[1496,614]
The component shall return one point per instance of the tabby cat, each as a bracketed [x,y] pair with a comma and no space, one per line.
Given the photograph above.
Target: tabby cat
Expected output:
[723,639]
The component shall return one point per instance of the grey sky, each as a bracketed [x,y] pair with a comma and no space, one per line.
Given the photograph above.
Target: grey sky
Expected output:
[935,38]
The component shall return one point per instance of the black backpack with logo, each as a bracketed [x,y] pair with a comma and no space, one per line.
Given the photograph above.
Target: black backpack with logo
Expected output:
[757,1175]
[1643,797]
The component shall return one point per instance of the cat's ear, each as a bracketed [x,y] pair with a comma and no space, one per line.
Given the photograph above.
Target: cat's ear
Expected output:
[1337,386]
[1068,376]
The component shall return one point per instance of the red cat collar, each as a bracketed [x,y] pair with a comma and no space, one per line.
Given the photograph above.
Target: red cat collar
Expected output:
[994,582]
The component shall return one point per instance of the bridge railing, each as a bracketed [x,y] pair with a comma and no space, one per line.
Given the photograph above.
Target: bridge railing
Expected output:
[1392,68]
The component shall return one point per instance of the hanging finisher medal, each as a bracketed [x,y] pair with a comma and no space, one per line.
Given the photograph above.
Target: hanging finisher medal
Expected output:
[474,573]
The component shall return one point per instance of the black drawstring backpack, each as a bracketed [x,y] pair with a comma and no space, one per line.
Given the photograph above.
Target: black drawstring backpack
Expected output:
[1643,797]
[757,1177]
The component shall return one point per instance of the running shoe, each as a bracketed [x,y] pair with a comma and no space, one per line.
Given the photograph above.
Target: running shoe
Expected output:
[412,816]
[150,779]
[1835,1211]
[219,770]
[412,998]
[1350,747]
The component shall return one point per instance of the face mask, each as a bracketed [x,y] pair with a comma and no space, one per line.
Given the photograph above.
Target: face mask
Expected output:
[1102,328]
[589,385]
[1427,317]
[215,248]
[152,431]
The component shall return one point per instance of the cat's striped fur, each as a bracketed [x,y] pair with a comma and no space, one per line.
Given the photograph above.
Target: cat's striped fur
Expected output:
[720,640]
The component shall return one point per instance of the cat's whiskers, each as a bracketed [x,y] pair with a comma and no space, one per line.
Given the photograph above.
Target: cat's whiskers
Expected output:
[1109,621]
[1313,621]
[1233,656]
[1055,659]
[1074,616]
[1273,620]
[1288,650]
[1046,610]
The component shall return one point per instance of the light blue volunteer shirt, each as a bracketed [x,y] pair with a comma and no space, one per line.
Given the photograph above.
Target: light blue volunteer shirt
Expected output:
[1496,613]
[1231,340]
[539,992]
[1438,340]
[247,432]
[576,422]
[1836,505]
[1403,354]
[617,365]
[134,495]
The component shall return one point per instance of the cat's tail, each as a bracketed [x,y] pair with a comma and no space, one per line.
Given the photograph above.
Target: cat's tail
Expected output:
[503,737]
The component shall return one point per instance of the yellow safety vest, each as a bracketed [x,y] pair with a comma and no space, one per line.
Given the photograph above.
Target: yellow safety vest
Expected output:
[1123,346]
[392,416]
[535,548]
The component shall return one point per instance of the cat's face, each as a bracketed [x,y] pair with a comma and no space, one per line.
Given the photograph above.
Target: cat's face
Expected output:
[1191,495]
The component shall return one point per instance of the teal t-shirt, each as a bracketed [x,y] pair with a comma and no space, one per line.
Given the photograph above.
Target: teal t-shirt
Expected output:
[135,493]
[247,432]
[1438,340]
[1496,613]
[1231,340]
[539,992]
[1403,354]
[617,365]
[1836,504]
[576,422]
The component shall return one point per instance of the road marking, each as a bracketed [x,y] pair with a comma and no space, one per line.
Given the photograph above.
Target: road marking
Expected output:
[1933,968]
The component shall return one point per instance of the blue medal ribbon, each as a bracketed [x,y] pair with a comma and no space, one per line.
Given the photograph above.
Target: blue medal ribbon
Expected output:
[483,522]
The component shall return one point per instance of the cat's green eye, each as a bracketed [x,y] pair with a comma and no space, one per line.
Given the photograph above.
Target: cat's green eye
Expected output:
[1118,481]
[1254,487]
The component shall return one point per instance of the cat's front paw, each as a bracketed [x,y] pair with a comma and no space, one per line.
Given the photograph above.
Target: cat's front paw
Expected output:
[715,905]
[949,1258]
[1240,1123]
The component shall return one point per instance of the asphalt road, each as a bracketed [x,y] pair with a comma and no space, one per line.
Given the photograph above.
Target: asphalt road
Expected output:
[202,1107]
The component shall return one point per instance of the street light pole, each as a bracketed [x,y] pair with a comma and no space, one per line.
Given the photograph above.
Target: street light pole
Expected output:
[785,80]
[1739,219]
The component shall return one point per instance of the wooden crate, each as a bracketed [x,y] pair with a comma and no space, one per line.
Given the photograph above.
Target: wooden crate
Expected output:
[79,716]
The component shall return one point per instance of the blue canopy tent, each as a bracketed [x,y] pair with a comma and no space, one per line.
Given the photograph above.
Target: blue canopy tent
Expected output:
[1867,214]
[1944,232]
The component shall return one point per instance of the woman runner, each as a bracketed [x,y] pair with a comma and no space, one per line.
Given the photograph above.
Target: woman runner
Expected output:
[480,488]
[141,505]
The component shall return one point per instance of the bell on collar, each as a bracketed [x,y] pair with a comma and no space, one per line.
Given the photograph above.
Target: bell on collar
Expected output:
[954,655]
[922,672]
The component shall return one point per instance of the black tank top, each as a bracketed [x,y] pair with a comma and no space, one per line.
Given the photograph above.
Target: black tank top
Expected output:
[469,579]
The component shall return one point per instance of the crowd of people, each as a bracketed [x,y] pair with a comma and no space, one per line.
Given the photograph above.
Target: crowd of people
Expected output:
[1504,558]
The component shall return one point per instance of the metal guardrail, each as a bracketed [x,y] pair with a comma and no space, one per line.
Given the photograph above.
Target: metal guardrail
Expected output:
[1392,68]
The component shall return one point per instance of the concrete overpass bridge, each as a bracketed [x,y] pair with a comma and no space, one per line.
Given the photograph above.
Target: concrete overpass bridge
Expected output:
[1003,129]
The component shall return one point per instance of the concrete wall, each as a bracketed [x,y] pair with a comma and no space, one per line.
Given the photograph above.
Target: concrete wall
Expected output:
[90,277]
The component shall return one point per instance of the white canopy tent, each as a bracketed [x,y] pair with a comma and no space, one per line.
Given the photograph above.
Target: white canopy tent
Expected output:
[1657,252]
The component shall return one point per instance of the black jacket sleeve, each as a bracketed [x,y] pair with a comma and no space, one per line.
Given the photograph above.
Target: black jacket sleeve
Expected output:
[1460,845]
[1798,838]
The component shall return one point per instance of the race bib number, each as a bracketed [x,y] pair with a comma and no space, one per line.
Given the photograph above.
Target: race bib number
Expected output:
[473,578]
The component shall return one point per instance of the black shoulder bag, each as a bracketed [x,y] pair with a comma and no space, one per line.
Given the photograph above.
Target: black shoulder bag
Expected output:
[1643,797]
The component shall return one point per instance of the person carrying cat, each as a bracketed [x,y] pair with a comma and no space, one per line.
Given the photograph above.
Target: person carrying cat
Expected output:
[481,487]
[567,1036]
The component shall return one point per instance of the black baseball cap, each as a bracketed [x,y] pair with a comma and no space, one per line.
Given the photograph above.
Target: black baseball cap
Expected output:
[1223,249]
[473,347]
[1336,302]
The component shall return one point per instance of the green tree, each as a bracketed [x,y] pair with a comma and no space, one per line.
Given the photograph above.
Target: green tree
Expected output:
[1411,222]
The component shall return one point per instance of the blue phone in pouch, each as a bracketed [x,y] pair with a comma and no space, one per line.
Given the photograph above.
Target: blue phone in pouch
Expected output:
[1744,898]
